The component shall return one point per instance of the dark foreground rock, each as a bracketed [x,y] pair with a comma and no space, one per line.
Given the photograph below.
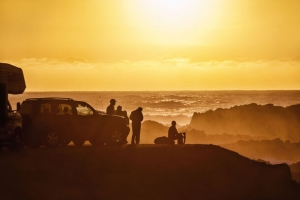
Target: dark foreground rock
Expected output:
[295,170]
[141,172]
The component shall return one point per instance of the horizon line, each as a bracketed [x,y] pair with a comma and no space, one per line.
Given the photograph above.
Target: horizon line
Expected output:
[162,90]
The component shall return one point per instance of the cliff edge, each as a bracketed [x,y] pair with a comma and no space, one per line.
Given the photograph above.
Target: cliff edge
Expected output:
[142,172]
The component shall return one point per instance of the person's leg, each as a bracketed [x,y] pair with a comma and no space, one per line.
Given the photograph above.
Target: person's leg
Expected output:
[133,134]
[138,133]
[137,138]
[132,138]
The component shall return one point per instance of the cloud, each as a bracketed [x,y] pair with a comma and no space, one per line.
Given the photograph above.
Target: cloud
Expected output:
[76,60]
[161,74]
[45,63]
[159,64]
[296,58]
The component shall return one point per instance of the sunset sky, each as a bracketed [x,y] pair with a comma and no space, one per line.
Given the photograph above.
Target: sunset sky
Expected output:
[120,45]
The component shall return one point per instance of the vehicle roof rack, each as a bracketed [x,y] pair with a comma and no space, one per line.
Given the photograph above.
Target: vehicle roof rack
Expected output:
[50,98]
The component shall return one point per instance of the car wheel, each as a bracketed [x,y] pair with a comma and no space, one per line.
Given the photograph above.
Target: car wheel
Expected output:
[116,137]
[52,139]
[78,142]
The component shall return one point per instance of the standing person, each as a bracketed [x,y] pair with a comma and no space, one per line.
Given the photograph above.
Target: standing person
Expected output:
[110,110]
[136,117]
[174,135]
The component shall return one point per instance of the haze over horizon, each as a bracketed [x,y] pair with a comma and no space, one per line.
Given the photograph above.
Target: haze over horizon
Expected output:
[153,44]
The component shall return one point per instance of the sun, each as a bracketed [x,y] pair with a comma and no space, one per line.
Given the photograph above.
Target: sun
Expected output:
[167,11]
[172,19]
[176,13]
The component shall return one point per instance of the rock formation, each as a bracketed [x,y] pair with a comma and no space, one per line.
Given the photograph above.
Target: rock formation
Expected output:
[142,172]
[254,120]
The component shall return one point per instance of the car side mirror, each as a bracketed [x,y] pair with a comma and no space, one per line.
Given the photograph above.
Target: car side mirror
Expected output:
[18,106]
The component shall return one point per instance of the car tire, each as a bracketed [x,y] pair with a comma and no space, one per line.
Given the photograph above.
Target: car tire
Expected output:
[116,137]
[113,135]
[52,139]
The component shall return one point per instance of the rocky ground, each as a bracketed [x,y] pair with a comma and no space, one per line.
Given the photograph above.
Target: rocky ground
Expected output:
[141,172]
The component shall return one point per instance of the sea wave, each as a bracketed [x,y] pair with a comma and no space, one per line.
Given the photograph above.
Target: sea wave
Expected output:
[171,104]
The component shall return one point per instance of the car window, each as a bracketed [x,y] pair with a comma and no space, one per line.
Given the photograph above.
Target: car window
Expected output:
[84,110]
[64,109]
[45,108]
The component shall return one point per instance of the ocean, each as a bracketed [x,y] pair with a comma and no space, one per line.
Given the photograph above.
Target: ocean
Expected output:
[165,106]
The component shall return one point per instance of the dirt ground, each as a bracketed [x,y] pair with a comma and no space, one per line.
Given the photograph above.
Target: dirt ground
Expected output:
[139,172]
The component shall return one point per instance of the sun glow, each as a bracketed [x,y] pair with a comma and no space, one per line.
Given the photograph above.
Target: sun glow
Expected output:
[172,21]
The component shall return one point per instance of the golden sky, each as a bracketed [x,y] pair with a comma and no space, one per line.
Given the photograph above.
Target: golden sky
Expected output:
[153,44]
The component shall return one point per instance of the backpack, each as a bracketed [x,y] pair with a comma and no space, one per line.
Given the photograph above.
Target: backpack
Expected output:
[163,140]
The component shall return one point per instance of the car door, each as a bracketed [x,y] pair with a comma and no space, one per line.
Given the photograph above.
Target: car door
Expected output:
[45,114]
[64,117]
[87,120]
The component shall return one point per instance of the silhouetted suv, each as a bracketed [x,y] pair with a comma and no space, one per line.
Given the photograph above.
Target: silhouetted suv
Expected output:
[55,121]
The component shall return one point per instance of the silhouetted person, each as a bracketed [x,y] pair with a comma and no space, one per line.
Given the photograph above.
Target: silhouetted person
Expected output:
[136,117]
[122,113]
[174,135]
[119,110]
[110,110]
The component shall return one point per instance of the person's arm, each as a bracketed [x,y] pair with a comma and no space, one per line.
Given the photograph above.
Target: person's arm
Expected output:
[176,132]
[172,133]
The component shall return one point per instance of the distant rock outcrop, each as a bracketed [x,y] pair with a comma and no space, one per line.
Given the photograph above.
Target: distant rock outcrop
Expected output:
[254,120]
[151,130]
[200,137]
